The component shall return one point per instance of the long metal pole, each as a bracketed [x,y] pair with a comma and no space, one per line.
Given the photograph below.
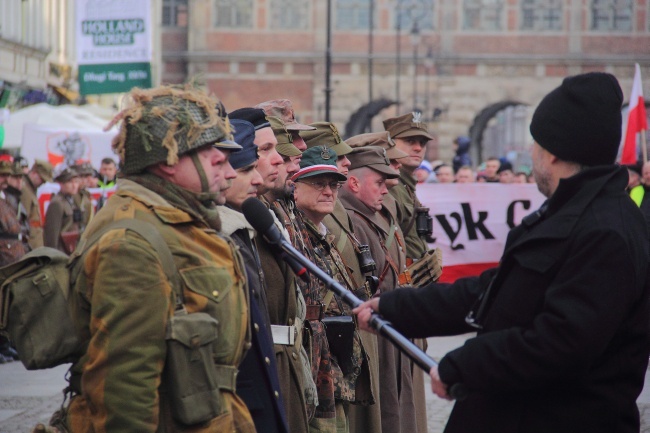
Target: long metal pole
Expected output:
[415,76]
[328,61]
[398,59]
[371,12]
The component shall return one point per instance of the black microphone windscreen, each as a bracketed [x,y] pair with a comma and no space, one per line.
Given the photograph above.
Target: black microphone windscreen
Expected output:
[257,214]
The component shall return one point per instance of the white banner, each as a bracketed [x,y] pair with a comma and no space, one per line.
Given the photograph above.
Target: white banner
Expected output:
[471,221]
[114,31]
[69,146]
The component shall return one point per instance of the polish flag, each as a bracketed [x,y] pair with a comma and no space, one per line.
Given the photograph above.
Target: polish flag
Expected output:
[636,120]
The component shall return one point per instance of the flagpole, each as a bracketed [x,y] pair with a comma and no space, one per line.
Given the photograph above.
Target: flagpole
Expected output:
[644,147]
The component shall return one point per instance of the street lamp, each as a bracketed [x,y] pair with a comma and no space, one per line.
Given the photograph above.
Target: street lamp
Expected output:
[428,63]
[415,41]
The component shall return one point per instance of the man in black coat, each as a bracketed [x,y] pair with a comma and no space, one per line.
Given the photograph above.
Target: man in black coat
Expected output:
[562,343]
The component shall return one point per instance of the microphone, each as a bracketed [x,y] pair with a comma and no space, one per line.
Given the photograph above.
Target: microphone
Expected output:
[259,216]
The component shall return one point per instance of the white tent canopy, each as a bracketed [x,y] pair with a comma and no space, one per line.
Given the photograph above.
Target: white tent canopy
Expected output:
[67,117]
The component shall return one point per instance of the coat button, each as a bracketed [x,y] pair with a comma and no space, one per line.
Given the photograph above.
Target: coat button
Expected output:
[295,355]
[248,345]
[267,360]
[256,327]
[290,322]
[276,394]
[215,293]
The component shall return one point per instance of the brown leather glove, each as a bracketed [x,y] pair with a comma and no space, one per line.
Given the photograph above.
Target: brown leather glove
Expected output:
[427,269]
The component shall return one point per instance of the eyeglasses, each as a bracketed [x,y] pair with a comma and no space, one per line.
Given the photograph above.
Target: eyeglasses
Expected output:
[321,185]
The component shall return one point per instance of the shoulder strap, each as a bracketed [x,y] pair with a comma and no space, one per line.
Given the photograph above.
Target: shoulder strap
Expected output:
[151,235]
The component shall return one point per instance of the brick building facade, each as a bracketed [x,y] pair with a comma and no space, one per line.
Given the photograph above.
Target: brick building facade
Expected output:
[469,65]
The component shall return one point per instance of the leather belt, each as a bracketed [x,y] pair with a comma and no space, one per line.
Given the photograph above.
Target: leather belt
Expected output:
[404,278]
[285,335]
[314,312]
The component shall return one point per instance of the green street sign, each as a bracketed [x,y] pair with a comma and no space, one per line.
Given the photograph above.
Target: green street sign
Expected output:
[113,78]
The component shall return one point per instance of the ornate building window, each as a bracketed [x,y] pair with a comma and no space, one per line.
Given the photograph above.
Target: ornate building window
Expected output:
[483,14]
[290,14]
[174,13]
[612,15]
[408,12]
[234,13]
[541,15]
[352,14]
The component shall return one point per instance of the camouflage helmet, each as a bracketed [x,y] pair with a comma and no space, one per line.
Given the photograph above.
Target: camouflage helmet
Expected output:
[161,124]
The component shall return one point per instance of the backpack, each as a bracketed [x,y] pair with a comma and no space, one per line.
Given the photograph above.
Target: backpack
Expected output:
[35,304]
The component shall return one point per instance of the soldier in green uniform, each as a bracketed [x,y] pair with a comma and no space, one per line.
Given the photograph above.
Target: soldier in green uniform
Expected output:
[63,218]
[340,362]
[83,198]
[174,160]
[40,173]
[410,135]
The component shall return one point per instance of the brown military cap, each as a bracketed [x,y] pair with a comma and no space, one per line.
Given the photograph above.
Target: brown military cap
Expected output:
[372,157]
[285,145]
[408,125]
[44,169]
[282,108]
[326,134]
[381,139]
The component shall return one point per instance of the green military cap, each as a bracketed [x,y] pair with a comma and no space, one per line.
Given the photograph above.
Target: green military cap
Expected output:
[381,139]
[318,160]
[285,145]
[6,167]
[84,168]
[408,125]
[372,157]
[44,169]
[326,134]
[64,174]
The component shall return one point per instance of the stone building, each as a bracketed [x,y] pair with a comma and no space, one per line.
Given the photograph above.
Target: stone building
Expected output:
[467,64]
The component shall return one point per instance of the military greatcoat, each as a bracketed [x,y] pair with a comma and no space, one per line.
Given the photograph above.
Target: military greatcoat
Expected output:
[29,200]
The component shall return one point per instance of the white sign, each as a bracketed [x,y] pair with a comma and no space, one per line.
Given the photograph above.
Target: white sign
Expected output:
[471,221]
[66,146]
[113,31]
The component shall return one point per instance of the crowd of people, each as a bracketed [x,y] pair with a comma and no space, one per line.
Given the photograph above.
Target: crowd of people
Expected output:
[492,170]
[266,347]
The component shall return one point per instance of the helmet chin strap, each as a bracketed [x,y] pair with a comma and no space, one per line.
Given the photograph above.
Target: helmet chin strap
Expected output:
[205,195]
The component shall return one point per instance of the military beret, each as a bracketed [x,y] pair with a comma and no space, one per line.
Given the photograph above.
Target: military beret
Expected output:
[318,160]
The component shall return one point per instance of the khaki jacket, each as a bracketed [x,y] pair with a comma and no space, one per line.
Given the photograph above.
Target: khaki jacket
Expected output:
[122,303]
[407,202]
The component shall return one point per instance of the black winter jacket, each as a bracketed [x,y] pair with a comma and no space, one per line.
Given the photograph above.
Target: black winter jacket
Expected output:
[564,340]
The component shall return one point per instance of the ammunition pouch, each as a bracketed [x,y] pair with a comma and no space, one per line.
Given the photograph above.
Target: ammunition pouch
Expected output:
[190,375]
[340,336]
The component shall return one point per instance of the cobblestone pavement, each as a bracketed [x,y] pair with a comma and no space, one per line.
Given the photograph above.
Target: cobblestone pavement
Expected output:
[30,397]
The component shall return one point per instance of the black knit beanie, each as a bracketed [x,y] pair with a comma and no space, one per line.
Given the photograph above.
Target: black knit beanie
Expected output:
[580,121]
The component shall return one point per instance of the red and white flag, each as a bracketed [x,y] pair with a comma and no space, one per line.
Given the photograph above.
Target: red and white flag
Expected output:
[636,120]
